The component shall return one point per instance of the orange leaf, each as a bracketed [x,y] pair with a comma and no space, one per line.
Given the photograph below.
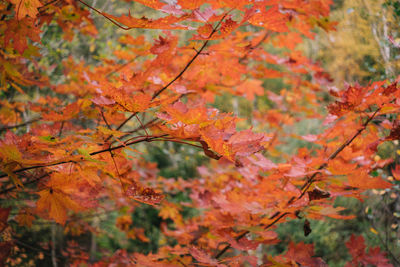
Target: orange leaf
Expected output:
[26,7]
[56,203]
[251,87]
[361,179]
[144,194]
[166,23]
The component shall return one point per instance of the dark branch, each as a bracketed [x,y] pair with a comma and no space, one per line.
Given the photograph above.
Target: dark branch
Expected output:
[146,125]
[18,125]
[143,139]
[101,13]
[179,75]
[5,191]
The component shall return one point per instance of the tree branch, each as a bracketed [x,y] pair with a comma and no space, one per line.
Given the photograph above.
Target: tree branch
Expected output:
[215,29]
[307,183]
[18,125]
[101,13]
[143,139]
[146,125]
[26,183]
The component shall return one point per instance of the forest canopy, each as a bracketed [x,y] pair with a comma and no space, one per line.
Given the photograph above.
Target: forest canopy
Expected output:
[199,133]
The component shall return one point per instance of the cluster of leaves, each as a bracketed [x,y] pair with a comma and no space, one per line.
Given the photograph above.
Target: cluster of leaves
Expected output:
[80,151]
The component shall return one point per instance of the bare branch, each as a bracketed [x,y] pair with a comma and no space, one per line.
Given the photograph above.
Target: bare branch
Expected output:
[18,125]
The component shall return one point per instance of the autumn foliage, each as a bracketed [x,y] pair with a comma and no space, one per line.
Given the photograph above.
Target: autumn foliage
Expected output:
[77,146]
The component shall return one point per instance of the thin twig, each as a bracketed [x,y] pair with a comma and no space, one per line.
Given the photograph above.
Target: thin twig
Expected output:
[49,3]
[104,119]
[146,125]
[266,35]
[215,29]
[121,67]
[142,126]
[143,139]
[19,125]
[180,142]
[104,15]
[61,129]
[26,183]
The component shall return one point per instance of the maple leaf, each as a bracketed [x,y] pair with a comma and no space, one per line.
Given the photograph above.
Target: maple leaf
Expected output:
[124,100]
[254,195]
[26,7]
[396,172]
[169,210]
[25,218]
[361,179]
[56,203]
[262,162]
[204,15]
[10,159]
[271,19]
[180,112]
[303,254]
[251,87]
[243,244]
[160,46]
[18,31]
[204,31]
[144,194]
[356,246]
[246,142]
[395,131]
[351,98]
[151,3]
[202,256]
[391,89]
[102,101]
[168,22]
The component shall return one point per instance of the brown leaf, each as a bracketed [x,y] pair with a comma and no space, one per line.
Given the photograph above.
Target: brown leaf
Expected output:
[395,131]
[307,228]
[145,195]
[209,152]
[390,89]
[318,194]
